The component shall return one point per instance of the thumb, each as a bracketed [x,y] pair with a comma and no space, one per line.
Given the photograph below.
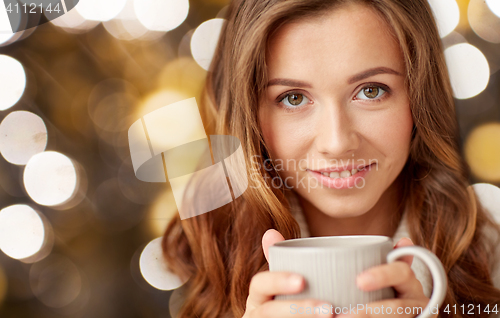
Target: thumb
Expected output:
[270,238]
[405,241]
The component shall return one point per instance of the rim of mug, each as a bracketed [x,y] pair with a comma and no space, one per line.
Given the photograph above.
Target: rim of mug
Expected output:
[289,243]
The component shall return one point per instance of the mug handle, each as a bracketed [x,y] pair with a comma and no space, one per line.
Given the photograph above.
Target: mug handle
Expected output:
[439,279]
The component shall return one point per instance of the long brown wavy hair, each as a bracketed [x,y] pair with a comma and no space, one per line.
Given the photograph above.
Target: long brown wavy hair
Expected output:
[221,250]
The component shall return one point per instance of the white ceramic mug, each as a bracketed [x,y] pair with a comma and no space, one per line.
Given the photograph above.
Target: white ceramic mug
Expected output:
[330,266]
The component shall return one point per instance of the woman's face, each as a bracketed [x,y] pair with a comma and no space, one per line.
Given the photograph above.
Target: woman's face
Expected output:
[336,100]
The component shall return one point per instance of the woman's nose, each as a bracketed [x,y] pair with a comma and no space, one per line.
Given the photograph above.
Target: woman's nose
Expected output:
[336,131]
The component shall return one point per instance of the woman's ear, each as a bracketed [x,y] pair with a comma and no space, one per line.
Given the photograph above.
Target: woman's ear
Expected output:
[270,238]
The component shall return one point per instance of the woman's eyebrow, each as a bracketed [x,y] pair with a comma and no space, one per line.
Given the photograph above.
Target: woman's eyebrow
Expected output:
[288,82]
[371,72]
[353,79]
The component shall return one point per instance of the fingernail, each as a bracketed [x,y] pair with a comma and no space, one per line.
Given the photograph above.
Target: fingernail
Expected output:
[295,281]
[364,279]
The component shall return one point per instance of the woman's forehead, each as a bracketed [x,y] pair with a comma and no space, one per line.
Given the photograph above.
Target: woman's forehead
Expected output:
[347,38]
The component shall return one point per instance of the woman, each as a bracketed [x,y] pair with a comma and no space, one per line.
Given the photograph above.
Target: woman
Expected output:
[321,82]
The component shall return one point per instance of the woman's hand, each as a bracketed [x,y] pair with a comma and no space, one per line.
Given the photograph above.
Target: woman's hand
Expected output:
[265,285]
[399,275]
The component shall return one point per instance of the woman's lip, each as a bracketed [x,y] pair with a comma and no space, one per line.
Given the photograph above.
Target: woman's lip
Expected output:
[342,183]
[339,169]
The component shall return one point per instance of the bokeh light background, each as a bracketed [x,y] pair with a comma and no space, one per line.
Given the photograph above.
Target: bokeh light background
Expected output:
[78,232]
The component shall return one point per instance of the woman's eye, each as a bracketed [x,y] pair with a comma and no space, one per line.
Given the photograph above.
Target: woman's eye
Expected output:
[370,92]
[295,100]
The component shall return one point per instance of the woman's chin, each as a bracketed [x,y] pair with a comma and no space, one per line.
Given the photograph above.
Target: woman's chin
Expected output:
[341,212]
[336,207]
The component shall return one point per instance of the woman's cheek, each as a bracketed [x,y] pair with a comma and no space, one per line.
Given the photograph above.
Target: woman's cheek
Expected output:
[286,135]
[389,132]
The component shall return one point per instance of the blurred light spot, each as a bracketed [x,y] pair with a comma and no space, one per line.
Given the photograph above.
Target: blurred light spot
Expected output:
[177,300]
[135,190]
[159,99]
[128,11]
[4,37]
[482,152]
[489,195]
[161,15]
[222,13]
[98,10]
[72,19]
[48,243]
[204,41]
[22,135]
[74,22]
[494,6]
[135,271]
[468,69]
[144,61]
[447,15]
[12,81]
[111,139]
[125,29]
[21,231]
[13,20]
[126,26]
[154,267]
[161,213]
[110,102]
[191,128]
[152,35]
[5,26]
[81,302]
[184,49]
[183,75]
[50,178]
[452,39]
[9,38]
[483,22]
[80,191]
[55,281]
[116,29]
[123,150]
[112,113]
[21,35]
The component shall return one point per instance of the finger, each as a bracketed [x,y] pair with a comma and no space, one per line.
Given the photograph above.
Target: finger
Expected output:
[397,274]
[289,309]
[387,308]
[265,285]
[405,241]
[270,238]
